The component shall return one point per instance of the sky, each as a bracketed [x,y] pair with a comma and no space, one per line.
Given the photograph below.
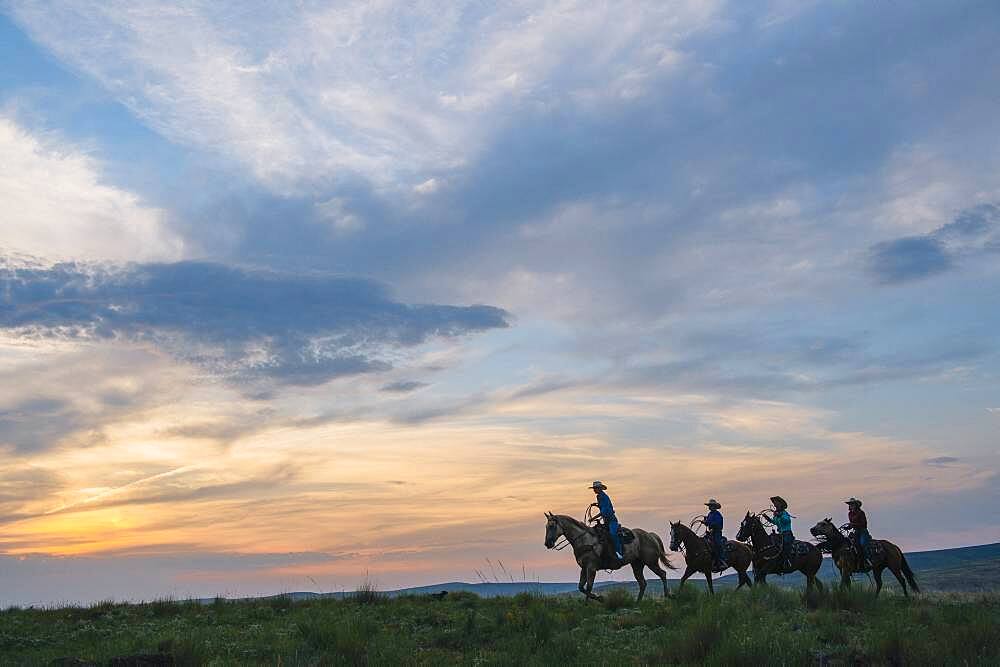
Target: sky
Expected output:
[294,295]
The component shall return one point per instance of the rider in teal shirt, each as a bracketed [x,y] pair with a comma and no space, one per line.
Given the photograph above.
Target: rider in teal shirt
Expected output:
[783,520]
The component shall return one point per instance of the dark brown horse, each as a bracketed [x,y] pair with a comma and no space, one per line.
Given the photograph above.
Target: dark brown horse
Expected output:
[806,558]
[646,550]
[698,555]
[848,561]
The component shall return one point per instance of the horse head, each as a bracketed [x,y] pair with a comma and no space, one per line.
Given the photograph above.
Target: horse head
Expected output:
[675,536]
[553,530]
[824,529]
[746,527]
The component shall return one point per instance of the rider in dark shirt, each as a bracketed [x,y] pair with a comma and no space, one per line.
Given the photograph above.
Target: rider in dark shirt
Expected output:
[857,521]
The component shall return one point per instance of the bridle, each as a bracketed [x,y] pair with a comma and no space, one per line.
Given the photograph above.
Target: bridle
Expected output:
[569,540]
[762,552]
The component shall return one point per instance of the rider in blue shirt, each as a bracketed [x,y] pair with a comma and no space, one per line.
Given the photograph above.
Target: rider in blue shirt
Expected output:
[608,514]
[713,521]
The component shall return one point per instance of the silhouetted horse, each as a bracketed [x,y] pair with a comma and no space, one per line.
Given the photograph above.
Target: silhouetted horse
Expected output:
[848,561]
[805,557]
[646,550]
[698,555]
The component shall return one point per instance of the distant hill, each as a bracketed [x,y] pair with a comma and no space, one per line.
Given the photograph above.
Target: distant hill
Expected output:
[963,569]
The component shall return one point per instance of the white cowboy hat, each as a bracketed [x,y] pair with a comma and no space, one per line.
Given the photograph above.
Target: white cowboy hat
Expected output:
[853,501]
[712,502]
[598,484]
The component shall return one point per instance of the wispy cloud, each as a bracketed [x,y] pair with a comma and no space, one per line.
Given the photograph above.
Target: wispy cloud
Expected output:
[381,89]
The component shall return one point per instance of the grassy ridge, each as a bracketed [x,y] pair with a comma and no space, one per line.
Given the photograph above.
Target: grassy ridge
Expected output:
[765,626]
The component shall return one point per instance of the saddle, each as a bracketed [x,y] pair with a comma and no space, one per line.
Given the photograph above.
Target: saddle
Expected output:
[865,560]
[727,543]
[608,559]
[797,549]
[604,534]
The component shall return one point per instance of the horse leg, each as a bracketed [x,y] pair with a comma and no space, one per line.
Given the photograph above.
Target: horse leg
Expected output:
[899,577]
[637,568]
[744,578]
[661,573]
[583,583]
[897,572]
[591,574]
[877,572]
[688,571]
[708,580]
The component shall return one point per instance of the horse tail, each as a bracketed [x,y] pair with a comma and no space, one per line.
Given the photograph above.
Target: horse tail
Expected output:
[907,572]
[662,556]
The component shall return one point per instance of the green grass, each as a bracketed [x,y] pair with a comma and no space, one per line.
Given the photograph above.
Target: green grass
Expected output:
[767,625]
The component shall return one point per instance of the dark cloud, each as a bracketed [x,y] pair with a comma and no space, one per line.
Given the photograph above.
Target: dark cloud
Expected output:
[292,328]
[973,232]
[908,258]
[36,423]
[941,460]
[403,387]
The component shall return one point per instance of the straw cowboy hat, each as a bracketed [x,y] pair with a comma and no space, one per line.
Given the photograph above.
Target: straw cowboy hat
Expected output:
[598,484]
[713,504]
[853,501]
[778,500]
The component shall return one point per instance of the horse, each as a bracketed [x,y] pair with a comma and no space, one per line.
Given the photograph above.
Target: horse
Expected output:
[848,561]
[806,557]
[698,555]
[646,550]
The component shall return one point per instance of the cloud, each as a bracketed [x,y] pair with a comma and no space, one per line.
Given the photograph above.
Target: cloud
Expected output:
[941,460]
[909,258]
[403,386]
[301,95]
[974,232]
[295,329]
[56,205]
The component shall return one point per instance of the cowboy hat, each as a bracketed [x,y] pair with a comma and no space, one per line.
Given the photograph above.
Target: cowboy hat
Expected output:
[713,503]
[778,500]
[853,501]
[598,484]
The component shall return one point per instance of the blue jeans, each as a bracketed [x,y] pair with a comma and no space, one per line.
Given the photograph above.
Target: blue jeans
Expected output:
[719,544]
[787,539]
[864,538]
[615,537]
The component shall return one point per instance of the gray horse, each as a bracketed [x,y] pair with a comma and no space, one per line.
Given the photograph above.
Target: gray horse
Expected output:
[646,550]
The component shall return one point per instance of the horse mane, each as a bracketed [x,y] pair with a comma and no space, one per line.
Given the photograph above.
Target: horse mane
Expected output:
[685,527]
[576,522]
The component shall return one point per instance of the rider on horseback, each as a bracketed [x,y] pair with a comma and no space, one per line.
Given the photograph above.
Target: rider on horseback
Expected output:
[783,520]
[713,521]
[857,522]
[608,514]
